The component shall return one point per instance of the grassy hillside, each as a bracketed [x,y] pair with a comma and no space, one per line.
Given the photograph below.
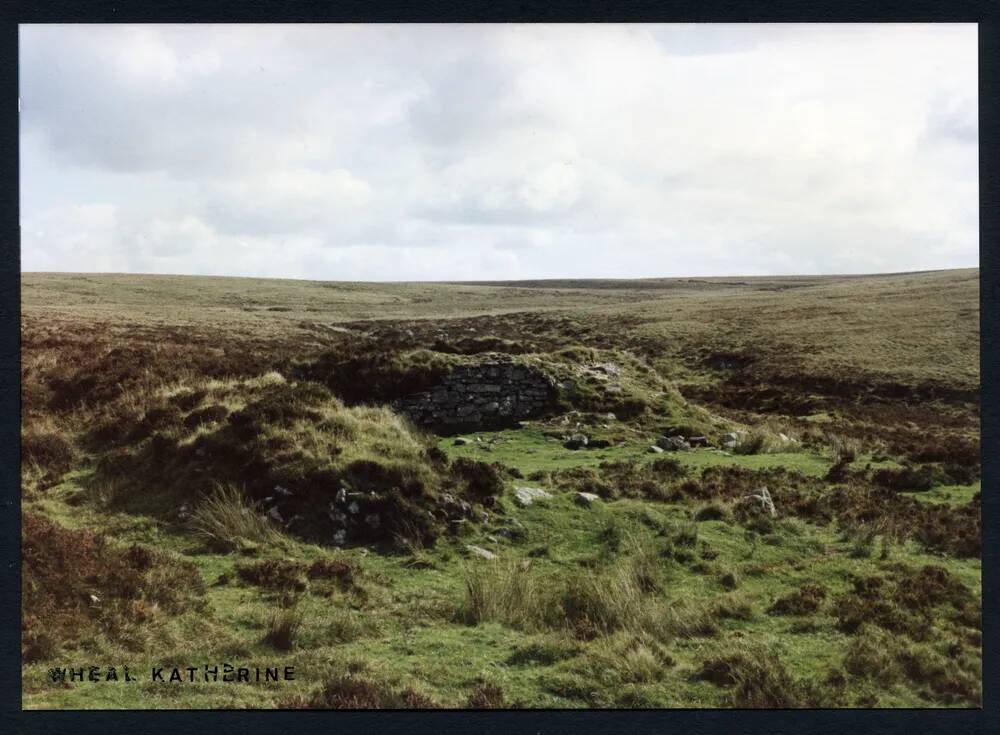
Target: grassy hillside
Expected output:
[161,414]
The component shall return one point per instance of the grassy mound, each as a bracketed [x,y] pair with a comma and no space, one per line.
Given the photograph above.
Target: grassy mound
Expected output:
[378,374]
[317,468]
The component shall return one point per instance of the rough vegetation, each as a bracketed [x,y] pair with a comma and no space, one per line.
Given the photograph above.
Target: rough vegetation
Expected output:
[736,492]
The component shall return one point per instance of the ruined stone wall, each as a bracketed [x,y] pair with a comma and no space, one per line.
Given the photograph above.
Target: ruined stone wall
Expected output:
[481,396]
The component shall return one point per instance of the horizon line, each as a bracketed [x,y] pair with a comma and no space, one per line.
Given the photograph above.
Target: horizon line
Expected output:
[504,281]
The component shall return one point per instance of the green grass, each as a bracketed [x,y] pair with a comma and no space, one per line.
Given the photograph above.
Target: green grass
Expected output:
[949,494]
[529,450]
[411,631]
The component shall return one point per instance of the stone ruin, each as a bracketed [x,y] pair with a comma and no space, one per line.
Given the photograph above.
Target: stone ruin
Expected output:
[481,396]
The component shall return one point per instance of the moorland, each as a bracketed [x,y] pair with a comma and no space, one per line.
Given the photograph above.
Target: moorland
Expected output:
[740,492]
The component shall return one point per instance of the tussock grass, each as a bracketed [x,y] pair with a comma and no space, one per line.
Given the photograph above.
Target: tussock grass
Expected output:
[805,601]
[757,678]
[950,672]
[342,625]
[46,444]
[623,595]
[284,625]
[546,650]
[357,691]
[223,519]
[624,658]
[487,695]
[502,592]
[712,512]
[691,619]
[596,603]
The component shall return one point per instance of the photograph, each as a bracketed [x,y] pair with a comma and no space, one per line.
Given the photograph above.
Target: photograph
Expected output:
[499,366]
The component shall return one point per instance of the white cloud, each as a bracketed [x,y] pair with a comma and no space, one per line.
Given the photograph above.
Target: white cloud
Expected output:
[395,152]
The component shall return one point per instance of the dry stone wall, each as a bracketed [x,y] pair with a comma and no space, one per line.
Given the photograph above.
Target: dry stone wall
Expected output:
[481,396]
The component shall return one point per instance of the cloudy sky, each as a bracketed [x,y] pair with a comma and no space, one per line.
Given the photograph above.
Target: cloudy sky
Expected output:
[488,152]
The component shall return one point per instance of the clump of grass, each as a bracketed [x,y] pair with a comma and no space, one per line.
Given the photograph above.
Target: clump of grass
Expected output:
[729,579]
[712,512]
[546,650]
[273,574]
[612,535]
[685,535]
[804,601]
[872,655]
[355,691]
[906,479]
[597,603]
[622,595]
[223,519]
[691,619]
[757,678]
[486,695]
[204,416]
[733,607]
[646,568]
[863,543]
[755,442]
[332,569]
[647,480]
[47,447]
[501,592]
[624,658]
[872,602]
[477,480]
[841,469]
[345,625]
[842,446]
[929,586]
[284,625]
[952,677]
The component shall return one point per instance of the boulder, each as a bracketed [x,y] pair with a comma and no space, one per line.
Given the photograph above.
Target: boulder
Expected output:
[275,516]
[525,496]
[576,441]
[586,499]
[672,443]
[480,552]
[655,450]
[730,440]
